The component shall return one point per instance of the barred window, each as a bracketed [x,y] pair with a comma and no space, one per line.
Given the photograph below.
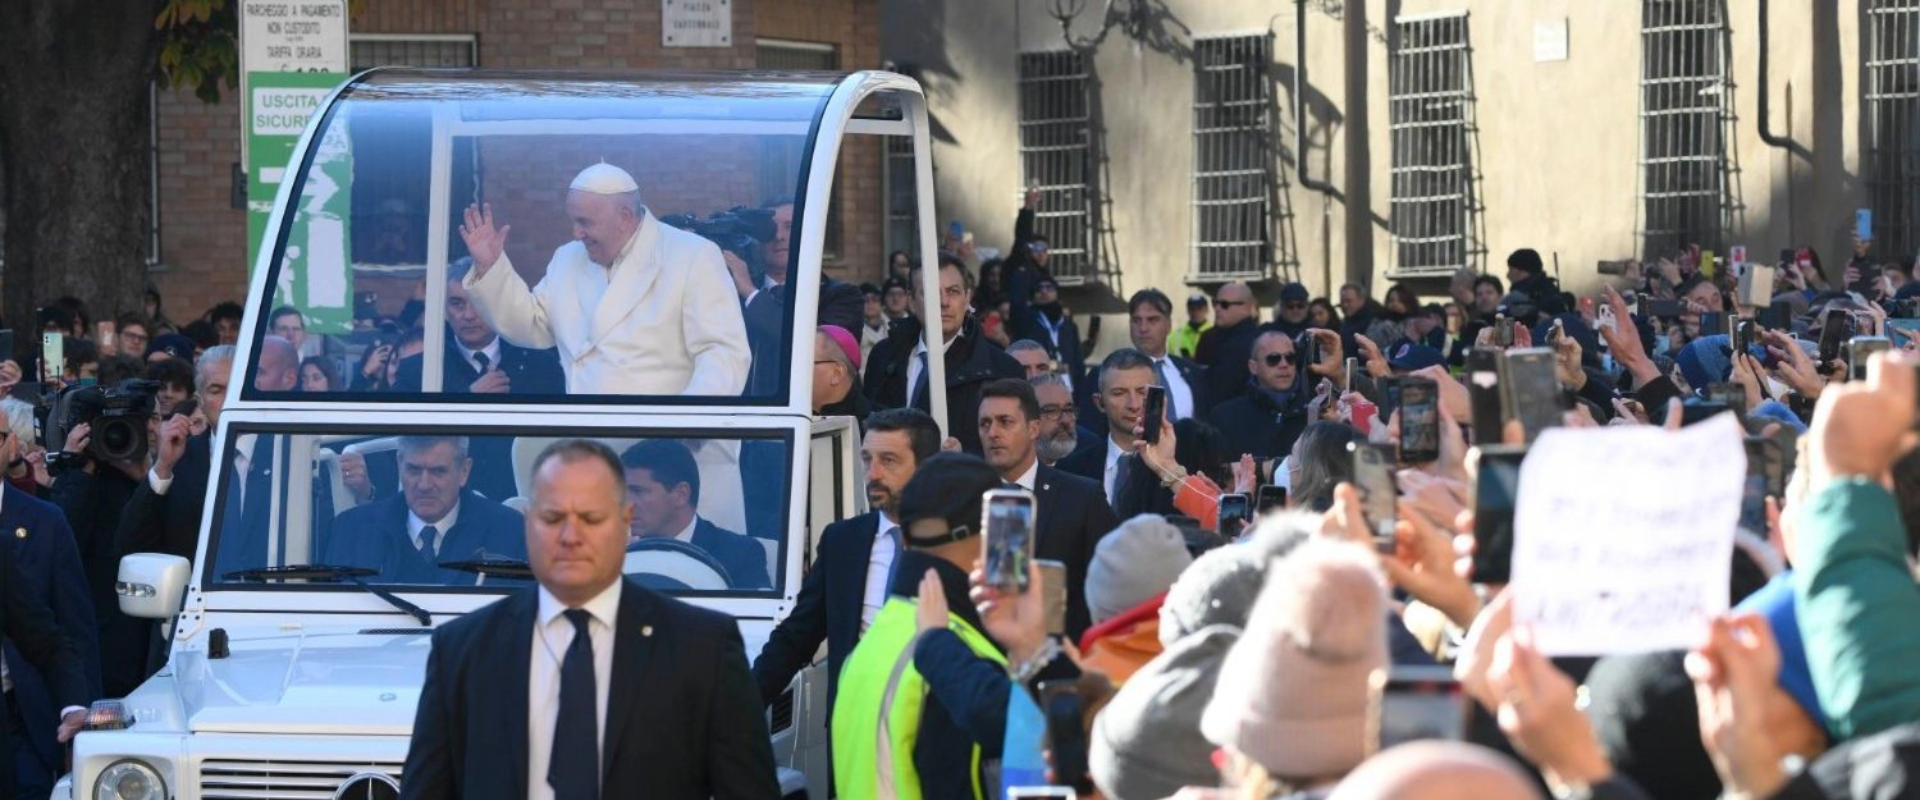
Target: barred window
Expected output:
[1430,95]
[903,205]
[1233,159]
[1892,84]
[1056,154]
[366,51]
[1683,124]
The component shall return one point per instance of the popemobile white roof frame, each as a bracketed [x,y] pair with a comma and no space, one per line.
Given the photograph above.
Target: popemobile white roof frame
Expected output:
[836,122]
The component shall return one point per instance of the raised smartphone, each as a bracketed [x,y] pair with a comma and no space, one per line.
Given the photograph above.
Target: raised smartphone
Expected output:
[1008,547]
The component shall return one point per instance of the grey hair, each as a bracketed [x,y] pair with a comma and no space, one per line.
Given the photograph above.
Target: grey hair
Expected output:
[1050,379]
[213,355]
[415,444]
[1123,358]
[1024,345]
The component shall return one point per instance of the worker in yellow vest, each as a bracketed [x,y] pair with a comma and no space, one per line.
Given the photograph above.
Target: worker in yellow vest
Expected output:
[923,697]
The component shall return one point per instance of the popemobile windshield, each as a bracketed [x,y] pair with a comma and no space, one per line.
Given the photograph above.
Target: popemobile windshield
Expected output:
[461,267]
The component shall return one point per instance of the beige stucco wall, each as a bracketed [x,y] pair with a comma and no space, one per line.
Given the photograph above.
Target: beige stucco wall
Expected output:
[1558,140]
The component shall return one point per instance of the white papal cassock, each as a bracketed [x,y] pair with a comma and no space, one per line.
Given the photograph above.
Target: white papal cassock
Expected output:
[666,323]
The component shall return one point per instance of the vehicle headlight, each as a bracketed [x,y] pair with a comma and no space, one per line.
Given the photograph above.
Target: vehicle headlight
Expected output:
[129,780]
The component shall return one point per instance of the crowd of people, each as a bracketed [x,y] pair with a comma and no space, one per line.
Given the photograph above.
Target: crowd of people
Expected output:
[1172,638]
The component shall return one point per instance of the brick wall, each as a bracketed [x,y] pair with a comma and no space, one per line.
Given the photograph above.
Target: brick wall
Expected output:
[203,239]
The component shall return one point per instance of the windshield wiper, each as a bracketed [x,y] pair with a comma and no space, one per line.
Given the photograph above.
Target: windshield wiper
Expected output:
[492,567]
[352,575]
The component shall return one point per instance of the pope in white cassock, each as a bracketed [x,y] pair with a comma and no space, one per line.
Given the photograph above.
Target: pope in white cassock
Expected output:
[635,306]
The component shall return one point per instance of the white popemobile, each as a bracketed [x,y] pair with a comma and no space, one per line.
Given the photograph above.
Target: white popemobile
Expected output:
[342,525]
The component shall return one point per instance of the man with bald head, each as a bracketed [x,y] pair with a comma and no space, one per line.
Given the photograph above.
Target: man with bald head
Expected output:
[1436,770]
[634,306]
[1225,348]
[278,368]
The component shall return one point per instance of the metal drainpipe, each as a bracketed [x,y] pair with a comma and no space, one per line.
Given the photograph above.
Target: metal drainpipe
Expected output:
[1766,122]
[1300,101]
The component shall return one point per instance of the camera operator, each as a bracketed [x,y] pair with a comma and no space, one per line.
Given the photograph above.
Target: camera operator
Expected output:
[93,491]
[763,300]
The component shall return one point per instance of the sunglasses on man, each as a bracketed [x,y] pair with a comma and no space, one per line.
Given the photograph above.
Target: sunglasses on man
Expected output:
[1276,359]
[1229,303]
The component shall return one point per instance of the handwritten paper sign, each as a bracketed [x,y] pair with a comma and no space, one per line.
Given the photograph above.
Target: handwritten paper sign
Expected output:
[1623,537]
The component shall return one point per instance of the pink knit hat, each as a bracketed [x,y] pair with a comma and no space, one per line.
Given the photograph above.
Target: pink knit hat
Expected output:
[845,341]
[1293,693]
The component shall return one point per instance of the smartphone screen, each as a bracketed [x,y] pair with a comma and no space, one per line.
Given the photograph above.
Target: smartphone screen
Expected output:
[1744,332]
[1060,701]
[1271,497]
[1009,544]
[53,356]
[1859,350]
[7,345]
[1419,421]
[1483,392]
[1502,331]
[1496,491]
[1154,413]
[1663,309]
[1309,347]
[1701,411]
[1835,330]
[1053,592]
[1373,476]
[1353,368]
[1530,390]
[1415,703]
[1389,387]
[1235,511]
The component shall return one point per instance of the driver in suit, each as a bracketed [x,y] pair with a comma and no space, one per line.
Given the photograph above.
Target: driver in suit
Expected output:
[435,518]
[636,307]
[663,482]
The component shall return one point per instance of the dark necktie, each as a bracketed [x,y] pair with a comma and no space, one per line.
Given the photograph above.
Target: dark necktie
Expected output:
[1160,372]
[480,360]
[574,768]
[428,541]
[920,386]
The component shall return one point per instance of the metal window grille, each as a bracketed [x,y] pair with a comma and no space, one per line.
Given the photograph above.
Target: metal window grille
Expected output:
[1892,53]
[903,204]
[1430,97]
[1684,94]
[366,51]
[1233,159]
[780,160]
[1056,154]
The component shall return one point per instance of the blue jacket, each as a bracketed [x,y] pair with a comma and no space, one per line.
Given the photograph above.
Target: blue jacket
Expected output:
[47,560]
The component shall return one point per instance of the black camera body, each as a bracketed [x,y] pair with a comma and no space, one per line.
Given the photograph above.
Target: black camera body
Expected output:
[116,414]
[739,230]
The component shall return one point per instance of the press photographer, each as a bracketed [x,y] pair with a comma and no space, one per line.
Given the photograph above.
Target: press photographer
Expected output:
[96,440]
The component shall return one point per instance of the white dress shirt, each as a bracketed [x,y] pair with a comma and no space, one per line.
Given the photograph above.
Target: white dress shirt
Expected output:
[492,351]
[1113,468]
[415,525]
[1179,394]
[1027,478]
[879,568]
[552,635]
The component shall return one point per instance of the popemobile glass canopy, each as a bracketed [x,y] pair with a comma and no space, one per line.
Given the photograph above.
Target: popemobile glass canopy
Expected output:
[522,237]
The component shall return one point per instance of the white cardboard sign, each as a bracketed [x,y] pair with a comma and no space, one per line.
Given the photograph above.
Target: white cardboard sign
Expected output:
[1623,537]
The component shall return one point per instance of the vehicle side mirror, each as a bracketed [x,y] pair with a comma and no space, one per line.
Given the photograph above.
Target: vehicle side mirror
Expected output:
[151,585]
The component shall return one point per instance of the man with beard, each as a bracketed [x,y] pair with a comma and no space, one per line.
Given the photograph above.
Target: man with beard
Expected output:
[848,582]
[1060,431]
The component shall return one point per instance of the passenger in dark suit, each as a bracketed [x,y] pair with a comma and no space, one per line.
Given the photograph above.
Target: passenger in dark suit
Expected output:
[663,483]
[764,301]
[47,563]
[435,518]
[1070,514]
[847,584]
[510,706]
[478,361]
